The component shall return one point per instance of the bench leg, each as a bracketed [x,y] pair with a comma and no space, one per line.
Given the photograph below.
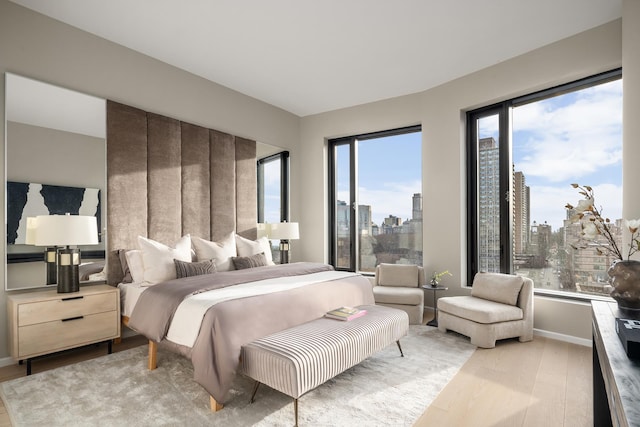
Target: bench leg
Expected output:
[295,410]
[255,390]
[400,348]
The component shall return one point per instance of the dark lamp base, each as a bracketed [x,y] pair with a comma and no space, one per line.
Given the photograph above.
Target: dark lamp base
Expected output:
[68,271]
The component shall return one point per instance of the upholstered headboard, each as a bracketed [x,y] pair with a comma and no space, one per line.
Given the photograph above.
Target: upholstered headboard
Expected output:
[167,178]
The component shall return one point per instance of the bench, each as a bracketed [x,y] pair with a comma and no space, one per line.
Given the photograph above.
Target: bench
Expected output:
[299,359]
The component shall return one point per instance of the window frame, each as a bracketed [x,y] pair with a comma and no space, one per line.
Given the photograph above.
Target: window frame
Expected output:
[503,109]
[283,156]
[352,142]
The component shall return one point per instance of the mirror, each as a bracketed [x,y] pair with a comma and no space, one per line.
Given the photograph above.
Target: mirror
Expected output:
[55,149]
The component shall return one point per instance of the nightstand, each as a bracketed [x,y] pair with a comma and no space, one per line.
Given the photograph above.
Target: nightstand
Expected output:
[46,322]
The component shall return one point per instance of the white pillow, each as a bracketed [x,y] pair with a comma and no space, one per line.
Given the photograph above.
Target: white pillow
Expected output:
[136,265]
[220,252]
[248,247]
[158,258]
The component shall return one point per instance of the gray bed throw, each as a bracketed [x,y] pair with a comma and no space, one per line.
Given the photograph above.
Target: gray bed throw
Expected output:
[230,324]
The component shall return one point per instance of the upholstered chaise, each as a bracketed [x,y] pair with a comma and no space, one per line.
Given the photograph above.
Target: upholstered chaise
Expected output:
[500,306]
[400,286]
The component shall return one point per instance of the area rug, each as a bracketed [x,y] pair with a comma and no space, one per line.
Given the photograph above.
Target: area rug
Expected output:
[118,389]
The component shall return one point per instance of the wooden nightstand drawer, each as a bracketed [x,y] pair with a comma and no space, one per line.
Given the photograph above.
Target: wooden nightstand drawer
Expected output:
[46,321]
[65,307]
[42,338]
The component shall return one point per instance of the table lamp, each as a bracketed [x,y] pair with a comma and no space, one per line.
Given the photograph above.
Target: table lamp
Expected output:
[50,253]
[284,231]
[66,230]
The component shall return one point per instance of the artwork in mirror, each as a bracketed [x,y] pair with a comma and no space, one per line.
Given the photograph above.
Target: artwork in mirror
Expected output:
[55,139]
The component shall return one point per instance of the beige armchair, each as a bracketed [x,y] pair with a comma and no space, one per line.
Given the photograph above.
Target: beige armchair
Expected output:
[400,286]
[500,306]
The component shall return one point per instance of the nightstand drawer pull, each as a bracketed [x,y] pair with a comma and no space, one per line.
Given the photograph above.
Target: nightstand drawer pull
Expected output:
[73,318]
[72,298]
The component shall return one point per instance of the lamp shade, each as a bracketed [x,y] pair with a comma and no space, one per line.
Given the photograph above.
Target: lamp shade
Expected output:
[285,231]
[30,237]
[65,230]
[264,230]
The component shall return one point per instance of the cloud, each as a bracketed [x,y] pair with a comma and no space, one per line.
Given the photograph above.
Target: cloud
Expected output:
[559,140]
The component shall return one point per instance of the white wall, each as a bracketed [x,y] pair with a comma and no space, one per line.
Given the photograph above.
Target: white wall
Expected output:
[441,112]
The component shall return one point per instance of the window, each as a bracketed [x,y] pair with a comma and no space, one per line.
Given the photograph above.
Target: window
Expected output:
[273,193]
[376,199]
[523,155]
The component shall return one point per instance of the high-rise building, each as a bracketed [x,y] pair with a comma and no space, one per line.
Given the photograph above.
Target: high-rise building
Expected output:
[488,205]
[364,220]
[416,213]
[521,213]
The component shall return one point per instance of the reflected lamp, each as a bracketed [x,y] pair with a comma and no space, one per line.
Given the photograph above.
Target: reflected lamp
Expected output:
[66,231]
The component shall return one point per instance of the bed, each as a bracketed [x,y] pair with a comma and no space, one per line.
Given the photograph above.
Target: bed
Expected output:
[166,179]
[208,317]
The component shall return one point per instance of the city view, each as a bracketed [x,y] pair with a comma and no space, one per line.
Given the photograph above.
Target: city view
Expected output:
[394,241]
[574,137]
[571,137]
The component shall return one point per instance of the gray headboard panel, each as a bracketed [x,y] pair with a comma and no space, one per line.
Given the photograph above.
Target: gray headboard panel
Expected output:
[167,178]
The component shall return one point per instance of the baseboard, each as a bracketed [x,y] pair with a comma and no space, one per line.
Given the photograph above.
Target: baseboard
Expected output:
[7,361]
[562,337]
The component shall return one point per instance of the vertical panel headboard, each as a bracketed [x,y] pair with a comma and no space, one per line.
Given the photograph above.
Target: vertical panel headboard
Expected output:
[167,178]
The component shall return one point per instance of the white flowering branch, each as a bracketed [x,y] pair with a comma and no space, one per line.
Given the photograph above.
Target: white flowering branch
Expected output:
[598,225]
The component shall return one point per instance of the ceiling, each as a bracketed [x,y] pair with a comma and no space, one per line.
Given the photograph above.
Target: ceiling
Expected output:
[312,56]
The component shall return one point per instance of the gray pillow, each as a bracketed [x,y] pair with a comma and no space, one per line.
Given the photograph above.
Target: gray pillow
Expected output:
[242,262]
[188,269]
[125,266]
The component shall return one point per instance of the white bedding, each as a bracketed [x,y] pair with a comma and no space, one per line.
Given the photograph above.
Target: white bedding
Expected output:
[187,319]
[129,294]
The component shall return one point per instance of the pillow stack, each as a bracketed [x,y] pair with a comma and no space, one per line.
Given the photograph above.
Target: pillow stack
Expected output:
[155,262]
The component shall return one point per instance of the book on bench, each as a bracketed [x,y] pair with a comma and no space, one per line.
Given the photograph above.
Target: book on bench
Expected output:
[345,313]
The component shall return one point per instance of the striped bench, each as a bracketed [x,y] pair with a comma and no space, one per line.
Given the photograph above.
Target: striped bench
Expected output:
[301,358]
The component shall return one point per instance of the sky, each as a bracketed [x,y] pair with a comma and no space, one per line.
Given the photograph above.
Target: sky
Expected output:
[572,138]
[389,173]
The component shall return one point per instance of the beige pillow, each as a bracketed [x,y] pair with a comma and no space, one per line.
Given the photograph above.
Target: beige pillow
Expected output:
[247,247]
[220,252]
[497,287]
[398,275]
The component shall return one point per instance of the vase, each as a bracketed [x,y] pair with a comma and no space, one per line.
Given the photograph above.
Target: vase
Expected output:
[625,279]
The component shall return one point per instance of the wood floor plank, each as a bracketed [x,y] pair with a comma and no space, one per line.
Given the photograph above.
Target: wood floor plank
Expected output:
[579,387]
[546,406]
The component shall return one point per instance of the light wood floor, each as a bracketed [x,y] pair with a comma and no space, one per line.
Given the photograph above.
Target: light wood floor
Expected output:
[540,383]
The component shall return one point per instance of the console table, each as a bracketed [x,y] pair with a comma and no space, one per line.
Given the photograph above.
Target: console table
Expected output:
[616,378]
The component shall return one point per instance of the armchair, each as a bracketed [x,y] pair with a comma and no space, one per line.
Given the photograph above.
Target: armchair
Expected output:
[500,306]
[400,286]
